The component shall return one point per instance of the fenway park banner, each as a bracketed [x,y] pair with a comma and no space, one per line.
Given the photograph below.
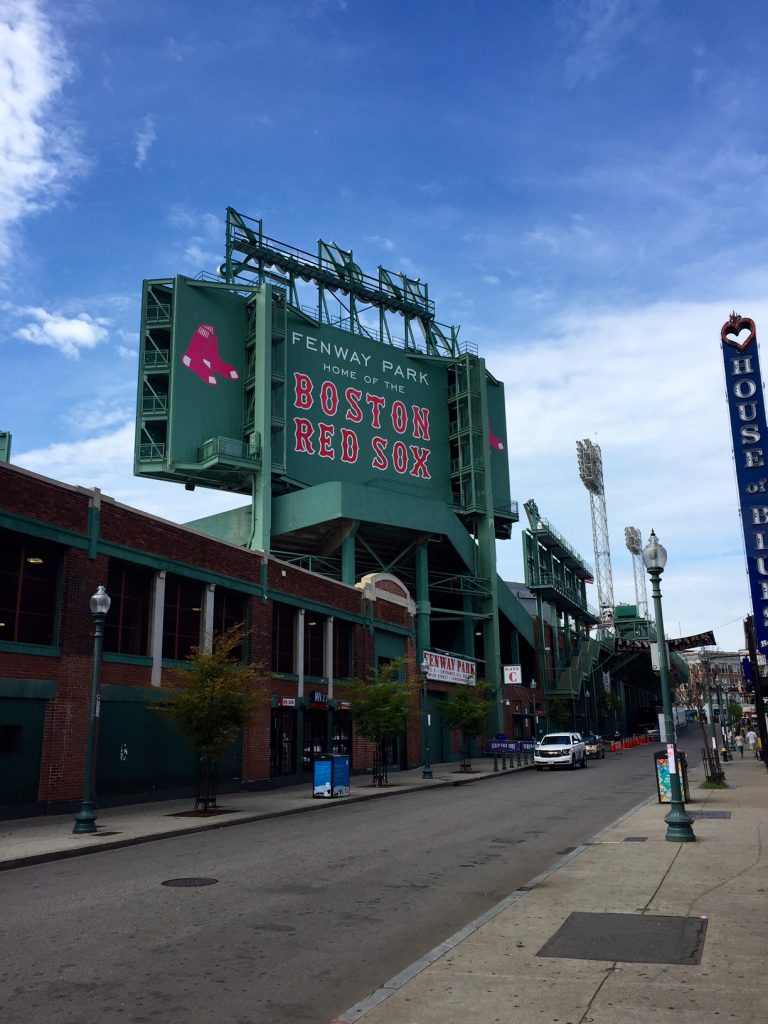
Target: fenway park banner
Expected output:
[448,668]
[746,405]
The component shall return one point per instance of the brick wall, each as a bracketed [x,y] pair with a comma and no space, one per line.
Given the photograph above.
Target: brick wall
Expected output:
[38,500]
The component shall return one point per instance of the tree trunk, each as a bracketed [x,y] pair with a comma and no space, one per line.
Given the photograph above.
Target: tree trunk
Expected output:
[207,784]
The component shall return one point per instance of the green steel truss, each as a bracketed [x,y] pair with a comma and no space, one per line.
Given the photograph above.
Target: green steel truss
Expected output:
[443,546]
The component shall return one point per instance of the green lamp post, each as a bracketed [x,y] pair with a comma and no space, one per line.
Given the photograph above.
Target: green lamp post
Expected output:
[679,825]
[427,772]
[85,819]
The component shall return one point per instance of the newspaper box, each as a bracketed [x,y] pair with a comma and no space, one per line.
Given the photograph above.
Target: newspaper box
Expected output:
[331,777]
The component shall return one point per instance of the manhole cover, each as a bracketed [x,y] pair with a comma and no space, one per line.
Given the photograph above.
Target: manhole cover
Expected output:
[709,814]
[629,938]
[635,839]
[188,883]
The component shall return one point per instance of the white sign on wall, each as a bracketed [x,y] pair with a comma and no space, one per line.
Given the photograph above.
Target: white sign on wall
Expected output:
[513,675]
[447,668]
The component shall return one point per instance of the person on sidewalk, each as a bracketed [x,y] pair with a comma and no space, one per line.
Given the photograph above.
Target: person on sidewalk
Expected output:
[740,744]
[752,741]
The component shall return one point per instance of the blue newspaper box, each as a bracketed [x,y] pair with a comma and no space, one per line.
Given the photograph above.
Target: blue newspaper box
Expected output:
[331,776]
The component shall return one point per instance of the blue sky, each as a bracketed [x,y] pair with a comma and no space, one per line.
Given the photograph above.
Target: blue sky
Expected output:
[582,184]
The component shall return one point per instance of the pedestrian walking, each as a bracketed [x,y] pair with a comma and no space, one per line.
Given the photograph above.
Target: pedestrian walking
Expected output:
[752,741]
[740,744]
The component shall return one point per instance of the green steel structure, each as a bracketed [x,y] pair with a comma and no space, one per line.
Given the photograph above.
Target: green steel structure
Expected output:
[557,575]
[366,435]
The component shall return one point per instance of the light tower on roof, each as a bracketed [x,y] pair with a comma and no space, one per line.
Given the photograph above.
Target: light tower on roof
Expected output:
[635,546]
[591,473]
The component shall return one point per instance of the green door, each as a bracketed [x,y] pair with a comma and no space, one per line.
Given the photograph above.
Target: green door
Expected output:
[140,751]
[21,747]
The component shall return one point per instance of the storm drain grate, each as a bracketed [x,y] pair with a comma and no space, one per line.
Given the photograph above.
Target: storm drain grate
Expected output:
[188,883]
[709,814]
[629,938]
[635,839]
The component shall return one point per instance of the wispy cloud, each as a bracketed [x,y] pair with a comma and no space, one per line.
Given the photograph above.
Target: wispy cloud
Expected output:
[599,28]
[646,384]
[202,244]
[38,155]
[105,461]
[146,136]
[69,335]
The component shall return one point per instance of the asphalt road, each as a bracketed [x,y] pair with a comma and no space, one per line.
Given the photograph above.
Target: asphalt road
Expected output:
[309,913]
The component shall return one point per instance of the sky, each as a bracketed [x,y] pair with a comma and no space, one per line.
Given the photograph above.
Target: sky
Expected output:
[583,186]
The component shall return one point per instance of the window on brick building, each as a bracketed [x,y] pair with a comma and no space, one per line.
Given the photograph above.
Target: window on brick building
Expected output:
[29,574]
[314,644]
[229,610]
[282,637]
[181,617]
[127,625]
[342,649]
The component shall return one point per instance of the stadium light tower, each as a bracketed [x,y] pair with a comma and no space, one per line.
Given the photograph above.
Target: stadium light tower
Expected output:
[635,546]
[591,473]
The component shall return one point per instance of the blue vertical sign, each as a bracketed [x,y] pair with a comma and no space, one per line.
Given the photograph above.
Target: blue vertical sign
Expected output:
[746,404]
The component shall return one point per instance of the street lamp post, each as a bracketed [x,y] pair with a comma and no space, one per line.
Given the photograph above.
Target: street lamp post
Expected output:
[587,695]
[427,772]
[679,825]
[85,819]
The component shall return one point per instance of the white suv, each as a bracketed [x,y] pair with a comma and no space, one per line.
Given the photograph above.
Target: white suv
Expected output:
[560,748]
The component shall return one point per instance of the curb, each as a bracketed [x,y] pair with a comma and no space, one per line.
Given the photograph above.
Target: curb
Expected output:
[389,988]
[118,844]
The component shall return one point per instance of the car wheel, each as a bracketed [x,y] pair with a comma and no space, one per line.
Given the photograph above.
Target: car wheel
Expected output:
[584,761]
[573,762]
[539,767]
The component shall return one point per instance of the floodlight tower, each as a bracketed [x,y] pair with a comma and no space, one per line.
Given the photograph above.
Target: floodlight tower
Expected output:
[591,473]
[635,546]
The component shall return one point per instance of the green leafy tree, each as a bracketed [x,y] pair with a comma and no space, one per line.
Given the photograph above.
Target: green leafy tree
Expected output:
[210,701]
[381,704]
[559,715]
[614,706]
[467,710]
[736,712]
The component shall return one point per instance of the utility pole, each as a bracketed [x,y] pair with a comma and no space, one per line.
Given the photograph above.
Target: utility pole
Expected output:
[749,633]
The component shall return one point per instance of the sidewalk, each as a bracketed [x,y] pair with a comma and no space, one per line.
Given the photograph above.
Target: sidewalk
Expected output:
[49,837]
[673,895]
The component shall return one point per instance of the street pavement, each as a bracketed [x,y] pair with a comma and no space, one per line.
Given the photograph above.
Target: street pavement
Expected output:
[660,898]
[43,838]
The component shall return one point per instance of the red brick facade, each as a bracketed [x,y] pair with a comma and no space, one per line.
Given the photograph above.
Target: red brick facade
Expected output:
[34,506]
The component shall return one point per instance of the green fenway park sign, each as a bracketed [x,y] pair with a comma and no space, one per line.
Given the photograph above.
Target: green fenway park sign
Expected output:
[360,410]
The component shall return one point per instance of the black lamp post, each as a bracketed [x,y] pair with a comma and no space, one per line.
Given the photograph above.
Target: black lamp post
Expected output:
[427,772]
[85,819]
[679,825]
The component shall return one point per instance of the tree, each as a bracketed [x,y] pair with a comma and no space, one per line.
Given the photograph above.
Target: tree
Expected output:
[209,702]
[559,714]
[467,710]
[380,707]
[614,706]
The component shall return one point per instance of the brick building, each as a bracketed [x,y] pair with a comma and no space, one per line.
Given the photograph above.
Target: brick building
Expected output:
[170,587]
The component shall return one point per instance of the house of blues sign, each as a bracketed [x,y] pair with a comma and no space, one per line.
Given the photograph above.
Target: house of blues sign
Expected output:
[750,450]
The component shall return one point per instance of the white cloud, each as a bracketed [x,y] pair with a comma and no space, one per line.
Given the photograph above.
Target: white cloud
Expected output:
[646,385]
[37,156]
[600,28]
[385,243]
[106,462]
[70,335]
[145,137]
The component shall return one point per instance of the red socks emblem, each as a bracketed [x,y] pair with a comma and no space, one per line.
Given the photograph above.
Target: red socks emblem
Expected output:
[202,357]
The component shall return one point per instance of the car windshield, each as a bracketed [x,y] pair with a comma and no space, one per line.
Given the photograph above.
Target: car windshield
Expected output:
[557,739]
